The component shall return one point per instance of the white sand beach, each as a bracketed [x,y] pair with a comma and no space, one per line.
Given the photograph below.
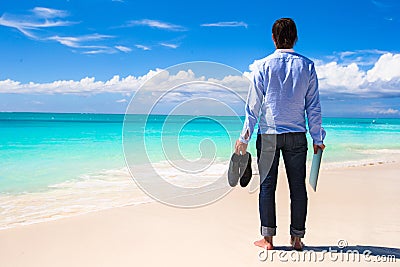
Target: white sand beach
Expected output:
[355,204]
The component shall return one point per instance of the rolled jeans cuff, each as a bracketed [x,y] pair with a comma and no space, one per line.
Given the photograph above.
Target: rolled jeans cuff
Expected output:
[268,231]
[297,233]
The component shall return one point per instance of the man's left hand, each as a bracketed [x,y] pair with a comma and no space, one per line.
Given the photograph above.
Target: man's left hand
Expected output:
[322,146]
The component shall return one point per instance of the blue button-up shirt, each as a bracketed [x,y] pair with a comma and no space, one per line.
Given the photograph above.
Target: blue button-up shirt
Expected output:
[284,86]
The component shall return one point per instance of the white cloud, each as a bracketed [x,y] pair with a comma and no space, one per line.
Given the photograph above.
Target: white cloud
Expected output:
[169,45]
[48,13]
[121,100]
[389,111]
[156,24]
[76,41]
[362,52]
[155,80]
[86,85]
[226,24]
[363,58]
[105,50]
[380,4]
[80,42]
[40,19]
[383,79]
[386,68]
[123,48]
[335,75]
[143,47]
[381,111]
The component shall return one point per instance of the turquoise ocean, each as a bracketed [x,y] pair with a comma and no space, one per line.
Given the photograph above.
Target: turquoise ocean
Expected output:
[55,165]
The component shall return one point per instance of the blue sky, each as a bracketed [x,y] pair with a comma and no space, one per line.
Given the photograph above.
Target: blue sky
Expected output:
[354,45]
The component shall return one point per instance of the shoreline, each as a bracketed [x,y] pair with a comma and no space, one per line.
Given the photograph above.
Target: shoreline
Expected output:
[144,199]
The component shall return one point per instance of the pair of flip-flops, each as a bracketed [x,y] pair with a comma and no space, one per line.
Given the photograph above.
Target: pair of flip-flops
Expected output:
[240,168]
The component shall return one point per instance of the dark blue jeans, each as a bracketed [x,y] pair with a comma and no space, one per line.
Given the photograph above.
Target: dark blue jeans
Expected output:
[294,152]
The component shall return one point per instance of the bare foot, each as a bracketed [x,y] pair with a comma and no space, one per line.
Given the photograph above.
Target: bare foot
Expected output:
[265,243]
[296,243]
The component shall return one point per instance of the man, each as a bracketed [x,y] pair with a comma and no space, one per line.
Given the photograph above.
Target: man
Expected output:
[284,87]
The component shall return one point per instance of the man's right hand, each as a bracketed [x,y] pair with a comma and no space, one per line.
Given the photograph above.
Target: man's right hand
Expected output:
[318,146]
[240,148]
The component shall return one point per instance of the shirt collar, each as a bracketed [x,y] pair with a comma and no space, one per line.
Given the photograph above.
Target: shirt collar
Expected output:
[285,50]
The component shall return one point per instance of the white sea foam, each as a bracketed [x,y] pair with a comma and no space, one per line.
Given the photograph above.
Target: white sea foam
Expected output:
[92,192]
[207,174]
[106,189]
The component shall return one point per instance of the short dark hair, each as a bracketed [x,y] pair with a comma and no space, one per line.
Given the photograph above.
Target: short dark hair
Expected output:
[284,32]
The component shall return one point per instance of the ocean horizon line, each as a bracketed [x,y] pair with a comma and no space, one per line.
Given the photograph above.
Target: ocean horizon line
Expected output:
[177,115]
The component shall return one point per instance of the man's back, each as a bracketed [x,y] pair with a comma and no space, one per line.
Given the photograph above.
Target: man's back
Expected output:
[286,79]
[284,86]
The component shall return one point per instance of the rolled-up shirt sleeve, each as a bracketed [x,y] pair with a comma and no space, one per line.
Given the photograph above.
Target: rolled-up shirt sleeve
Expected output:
[313,109]
[254,101]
